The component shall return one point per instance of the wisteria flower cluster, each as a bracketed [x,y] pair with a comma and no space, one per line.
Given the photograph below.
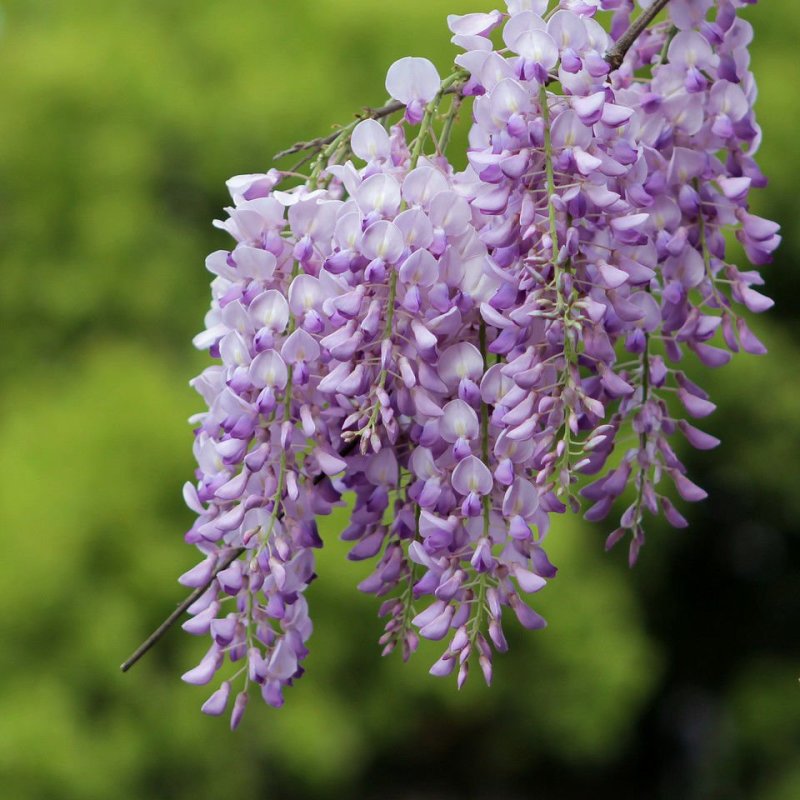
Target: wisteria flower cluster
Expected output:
[456,350]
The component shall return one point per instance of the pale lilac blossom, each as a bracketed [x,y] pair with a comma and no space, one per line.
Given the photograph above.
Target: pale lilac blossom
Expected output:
[463,354]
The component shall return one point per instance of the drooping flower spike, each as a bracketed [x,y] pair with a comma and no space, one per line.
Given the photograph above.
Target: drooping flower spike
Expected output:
[461,354]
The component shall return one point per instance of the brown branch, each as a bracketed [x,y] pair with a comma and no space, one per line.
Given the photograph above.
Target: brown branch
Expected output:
[159,632]
[614,57]
[323,141]
[370,113]
[617,53]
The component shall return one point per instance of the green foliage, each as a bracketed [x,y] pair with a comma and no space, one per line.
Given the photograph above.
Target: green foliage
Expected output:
[94,502]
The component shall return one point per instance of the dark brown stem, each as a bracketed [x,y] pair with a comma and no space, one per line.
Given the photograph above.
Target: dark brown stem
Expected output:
[322,141]
[617,53]
[371,113]
[159,632]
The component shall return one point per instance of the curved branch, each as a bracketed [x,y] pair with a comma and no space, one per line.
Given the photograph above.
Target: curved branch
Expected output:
[159,632]
[614,57]
[322,141]
[370,113]
[617,53]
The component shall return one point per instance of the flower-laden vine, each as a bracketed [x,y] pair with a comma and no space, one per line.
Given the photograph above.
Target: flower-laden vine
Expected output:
[456,350]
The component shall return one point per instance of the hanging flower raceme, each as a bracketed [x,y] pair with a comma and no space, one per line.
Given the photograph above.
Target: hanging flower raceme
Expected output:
[453,352]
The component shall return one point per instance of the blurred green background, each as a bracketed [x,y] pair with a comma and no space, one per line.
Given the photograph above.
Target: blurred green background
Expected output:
[120,122]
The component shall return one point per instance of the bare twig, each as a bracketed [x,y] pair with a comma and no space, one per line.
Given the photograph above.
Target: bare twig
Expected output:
[371,113]
[156,635]
[322,141]
[159,632]
[617,53]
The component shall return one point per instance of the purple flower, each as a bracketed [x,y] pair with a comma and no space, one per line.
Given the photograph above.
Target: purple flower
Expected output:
[458,350]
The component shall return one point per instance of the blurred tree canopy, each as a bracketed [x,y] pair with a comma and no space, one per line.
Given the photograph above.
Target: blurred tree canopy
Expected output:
[121,122]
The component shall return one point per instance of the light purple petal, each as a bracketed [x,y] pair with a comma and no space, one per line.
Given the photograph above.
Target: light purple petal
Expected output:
[589,108]
[697,438]
[329,463]
[269,369]
[526,615]
[300,346]
[567,30]
[204,671]
[382,469]
[537,47]
[689,491]
[215,705]
[472,475]
[521,499]
[459,421]
[283,662]
[419,269]
[270,310]
[383,240]
[422,184]
[234,350]
[412,79]
[379,193]
[305,294]
[459,361]
[569,131]
[252,262]
[370,141]
[528,581]
[508,97]
[691,49]
[476,24]
[451,213]
[415,227]
[527,19]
